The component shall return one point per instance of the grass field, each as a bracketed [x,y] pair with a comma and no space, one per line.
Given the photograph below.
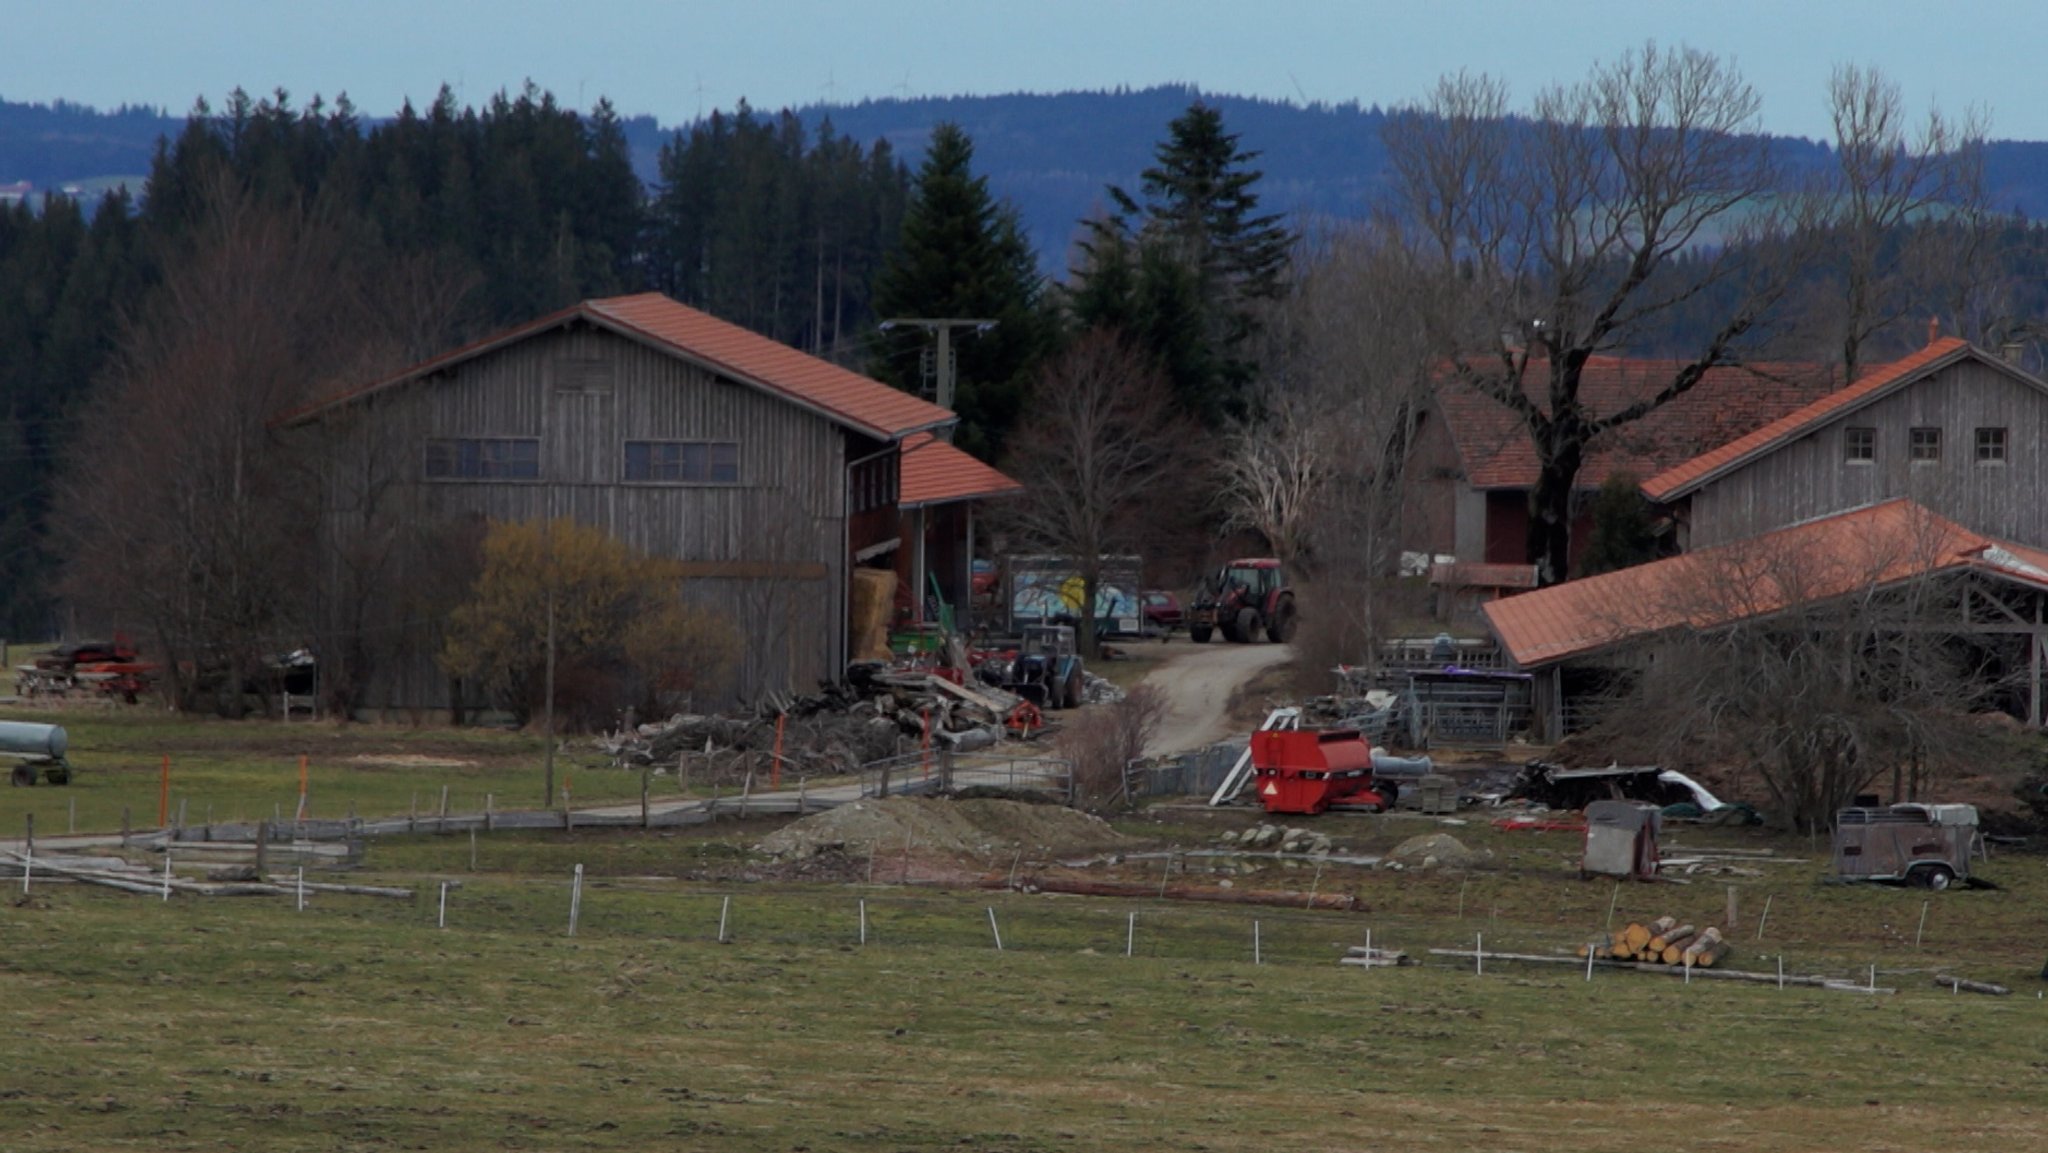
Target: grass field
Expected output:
[243,770]
[240,1023]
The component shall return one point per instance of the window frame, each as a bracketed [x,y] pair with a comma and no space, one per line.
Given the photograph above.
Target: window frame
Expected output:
[1867,436]
[1923,444]
[483,460]
[673,473]
[1999,442]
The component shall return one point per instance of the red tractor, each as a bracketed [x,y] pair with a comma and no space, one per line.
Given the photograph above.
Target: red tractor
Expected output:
[1248,597]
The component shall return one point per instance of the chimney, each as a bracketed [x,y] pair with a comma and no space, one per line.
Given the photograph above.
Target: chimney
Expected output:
[2013,351]
[1933,329]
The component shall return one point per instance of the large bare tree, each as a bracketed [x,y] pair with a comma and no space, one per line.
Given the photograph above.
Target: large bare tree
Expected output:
[1103,454]
[1319,471]
[1903,208]
[1549,238]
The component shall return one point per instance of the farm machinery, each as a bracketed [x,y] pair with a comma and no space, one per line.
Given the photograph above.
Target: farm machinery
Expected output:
[112,668]
[1247,597]
[35,749]
[1045,670]
[1308,771]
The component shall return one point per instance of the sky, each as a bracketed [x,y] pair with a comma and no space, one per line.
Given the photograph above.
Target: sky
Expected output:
[678,59]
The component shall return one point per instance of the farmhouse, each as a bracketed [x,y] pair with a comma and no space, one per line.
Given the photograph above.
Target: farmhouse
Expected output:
[1473,466]
[1952,427]
[765,474]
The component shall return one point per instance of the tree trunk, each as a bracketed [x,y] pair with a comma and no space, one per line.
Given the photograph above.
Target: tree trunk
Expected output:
[1550,503]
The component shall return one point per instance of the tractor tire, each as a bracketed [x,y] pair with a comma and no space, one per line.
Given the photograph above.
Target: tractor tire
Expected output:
[1247,626]
[22,777]
[1280,629]
[1229,630]
[1198,634]
[1077,689]
[57,775]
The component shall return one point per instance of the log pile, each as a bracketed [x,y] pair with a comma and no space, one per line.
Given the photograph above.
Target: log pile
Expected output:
[1663,941]
[877,714]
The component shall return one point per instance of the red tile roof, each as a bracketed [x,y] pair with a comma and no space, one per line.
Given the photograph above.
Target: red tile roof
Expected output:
[934,472]
[1816,560]
[1688,475]
[1727,402]
[846,398]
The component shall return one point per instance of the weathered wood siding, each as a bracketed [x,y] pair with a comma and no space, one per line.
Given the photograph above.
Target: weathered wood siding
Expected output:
[583,392]
[1811,477]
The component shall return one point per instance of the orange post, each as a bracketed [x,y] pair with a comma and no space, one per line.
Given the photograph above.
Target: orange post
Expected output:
[163,796]
[775,770]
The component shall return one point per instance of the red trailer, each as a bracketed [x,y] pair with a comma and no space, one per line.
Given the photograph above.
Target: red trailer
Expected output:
[1307,771]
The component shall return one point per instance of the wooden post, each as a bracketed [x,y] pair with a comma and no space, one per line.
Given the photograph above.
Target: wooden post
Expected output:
[167,871]
[302,888]
[302,777]
[724,910]
[442,921]
[801,782]
[489,804]
[644,770]
[1765,919]
[412,816]
[746,790]
[1256,959]
[1730,922]
[262,848]
[1479,954]
[28,860]
[163,795]
[775,769]
[1917,933]
[441,826]
[863,920]
[472,849]
[996,932]
[575,899]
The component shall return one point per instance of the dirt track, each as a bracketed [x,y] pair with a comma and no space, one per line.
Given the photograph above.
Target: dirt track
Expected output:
[1198,682]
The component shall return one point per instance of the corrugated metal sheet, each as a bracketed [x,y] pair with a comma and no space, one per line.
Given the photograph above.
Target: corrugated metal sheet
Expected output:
[934,472]
[1815,561]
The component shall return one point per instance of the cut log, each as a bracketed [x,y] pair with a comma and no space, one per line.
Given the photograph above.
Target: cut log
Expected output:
[1679,935]
[1635,938]
[1985,987]
[1705,949]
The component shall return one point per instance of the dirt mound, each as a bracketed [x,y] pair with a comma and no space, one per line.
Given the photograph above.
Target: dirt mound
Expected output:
[924,824]
[1437,850]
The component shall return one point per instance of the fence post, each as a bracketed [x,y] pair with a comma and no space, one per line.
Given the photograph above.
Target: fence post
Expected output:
[575,899]
[998,933]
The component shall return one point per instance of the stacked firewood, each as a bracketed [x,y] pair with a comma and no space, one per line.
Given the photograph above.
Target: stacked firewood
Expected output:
[1663,941]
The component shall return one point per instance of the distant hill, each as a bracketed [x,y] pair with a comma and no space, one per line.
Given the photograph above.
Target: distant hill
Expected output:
[1050,155]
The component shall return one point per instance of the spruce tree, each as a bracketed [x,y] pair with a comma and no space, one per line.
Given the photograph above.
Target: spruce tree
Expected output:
[1198,235]
[963,255]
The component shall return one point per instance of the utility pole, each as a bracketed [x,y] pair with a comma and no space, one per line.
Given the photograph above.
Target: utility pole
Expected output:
[944,326]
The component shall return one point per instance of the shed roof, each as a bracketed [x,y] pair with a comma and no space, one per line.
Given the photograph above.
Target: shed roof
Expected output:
[1881,381]
[846,398]
[1817,560]
[934,472]
[1728,401]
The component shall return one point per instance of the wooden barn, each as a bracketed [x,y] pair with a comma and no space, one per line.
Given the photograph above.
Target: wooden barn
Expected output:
[766,474]
[1952,427]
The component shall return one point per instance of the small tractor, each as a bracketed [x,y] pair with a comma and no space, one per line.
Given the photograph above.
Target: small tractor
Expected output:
[1045,671]
[1248,597]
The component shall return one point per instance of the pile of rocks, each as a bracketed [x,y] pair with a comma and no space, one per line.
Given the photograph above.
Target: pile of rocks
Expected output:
[1280,837]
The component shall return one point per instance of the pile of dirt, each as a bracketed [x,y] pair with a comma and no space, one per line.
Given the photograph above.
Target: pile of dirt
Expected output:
[979,827]
[1437,850]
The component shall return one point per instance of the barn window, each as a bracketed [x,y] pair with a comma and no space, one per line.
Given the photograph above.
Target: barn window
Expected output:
[1990,446]
[1925,444]
[483,458]
[1859,444]
[683,461]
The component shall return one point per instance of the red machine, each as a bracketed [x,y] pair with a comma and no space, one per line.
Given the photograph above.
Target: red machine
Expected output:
[1308,771]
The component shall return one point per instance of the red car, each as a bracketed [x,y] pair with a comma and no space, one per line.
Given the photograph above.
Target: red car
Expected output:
[1162,610]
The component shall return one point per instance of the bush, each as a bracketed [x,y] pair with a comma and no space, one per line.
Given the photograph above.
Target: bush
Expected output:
[1101,742]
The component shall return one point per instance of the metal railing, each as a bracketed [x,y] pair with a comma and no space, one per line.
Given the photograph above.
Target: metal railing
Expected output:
[941,770]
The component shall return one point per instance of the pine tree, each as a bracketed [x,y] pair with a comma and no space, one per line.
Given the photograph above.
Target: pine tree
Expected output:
[964,255]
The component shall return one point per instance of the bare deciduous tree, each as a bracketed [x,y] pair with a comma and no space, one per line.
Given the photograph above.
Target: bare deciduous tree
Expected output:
[1565,229]
[183,514]
[1103,448]
[1902,209]
[1320,474]
[1814,670]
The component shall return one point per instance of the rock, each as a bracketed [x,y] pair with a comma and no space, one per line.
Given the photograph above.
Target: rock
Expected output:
[1433,850]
